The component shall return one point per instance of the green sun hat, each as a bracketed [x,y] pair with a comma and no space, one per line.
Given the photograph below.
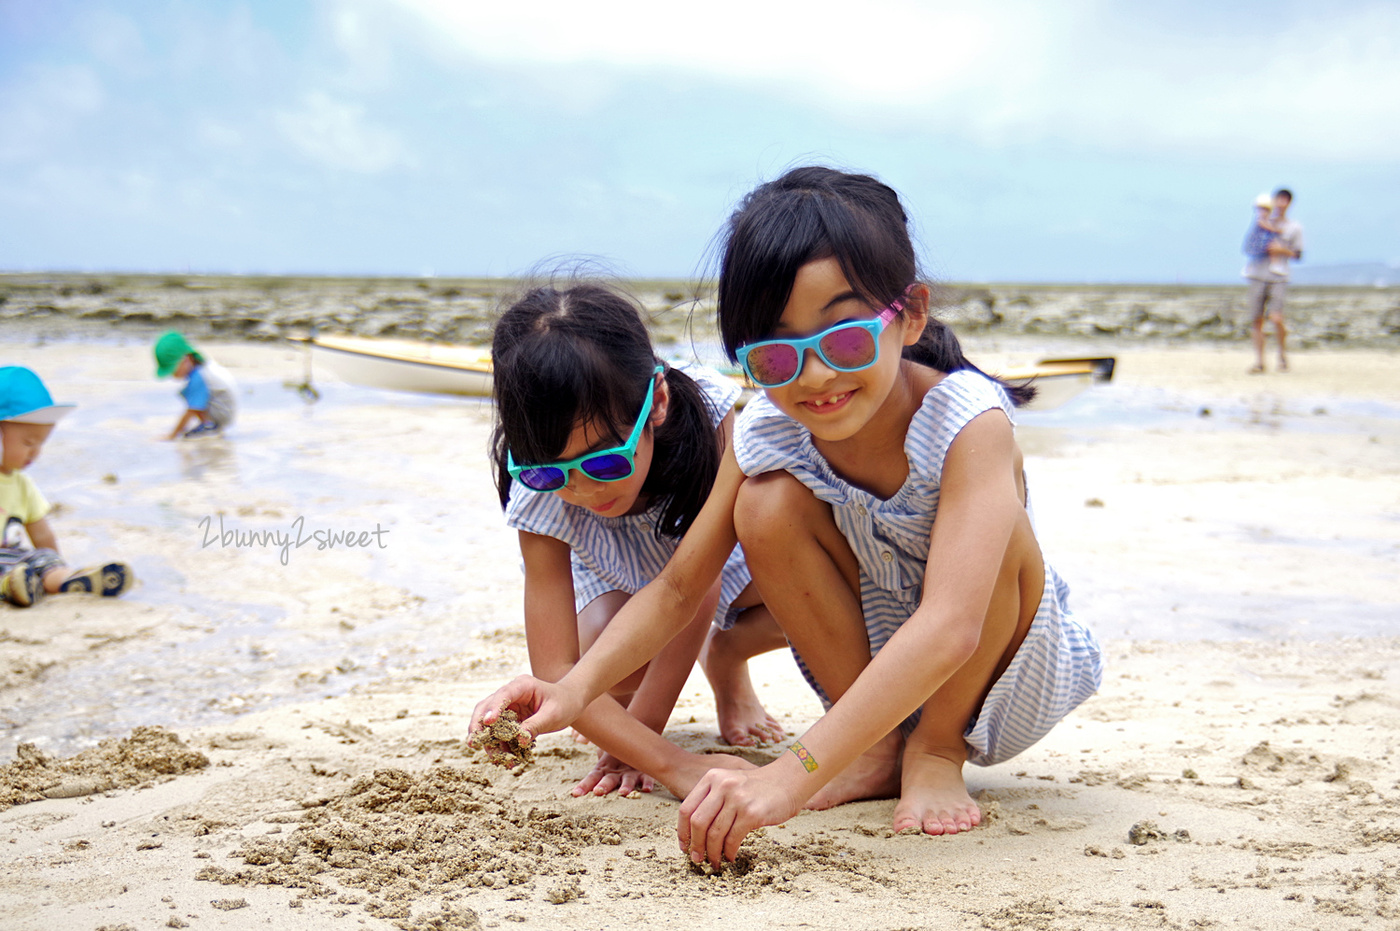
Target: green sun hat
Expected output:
[170,349]
[24,399]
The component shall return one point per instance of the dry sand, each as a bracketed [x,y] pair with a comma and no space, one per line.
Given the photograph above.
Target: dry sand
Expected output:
[1233,539]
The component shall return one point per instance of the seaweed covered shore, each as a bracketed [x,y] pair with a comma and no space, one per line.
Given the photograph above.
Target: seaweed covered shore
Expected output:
[460,310]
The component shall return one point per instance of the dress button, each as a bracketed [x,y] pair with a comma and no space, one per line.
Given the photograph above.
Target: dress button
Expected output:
[860,509]
[887,556]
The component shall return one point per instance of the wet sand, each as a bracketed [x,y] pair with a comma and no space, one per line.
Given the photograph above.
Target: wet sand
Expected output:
[1231,537]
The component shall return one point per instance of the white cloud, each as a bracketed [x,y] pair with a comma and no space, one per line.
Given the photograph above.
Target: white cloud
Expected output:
[113,39]
[1322,88]
[336,134]
[898,50]
[1321,85]
[44,107]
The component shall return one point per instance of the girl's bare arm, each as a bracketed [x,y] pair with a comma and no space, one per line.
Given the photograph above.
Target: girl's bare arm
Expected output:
[649,620]
[979,507]
[551,637]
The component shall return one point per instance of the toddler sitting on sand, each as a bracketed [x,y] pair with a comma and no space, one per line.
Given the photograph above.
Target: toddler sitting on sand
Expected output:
[27,417]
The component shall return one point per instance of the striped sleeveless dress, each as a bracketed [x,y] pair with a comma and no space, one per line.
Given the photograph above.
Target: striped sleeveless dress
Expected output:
[1058,665]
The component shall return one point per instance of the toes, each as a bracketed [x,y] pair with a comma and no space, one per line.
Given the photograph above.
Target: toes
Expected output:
[738,738]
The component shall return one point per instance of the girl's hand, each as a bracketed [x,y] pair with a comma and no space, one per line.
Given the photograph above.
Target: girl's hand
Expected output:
[611,773]
[541,707]
[726,805]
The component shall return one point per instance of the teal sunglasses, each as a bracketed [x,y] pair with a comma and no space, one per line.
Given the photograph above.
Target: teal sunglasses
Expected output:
[846,347]
[605,465]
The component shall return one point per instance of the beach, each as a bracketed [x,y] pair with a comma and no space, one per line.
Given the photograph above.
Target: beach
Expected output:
[269,730]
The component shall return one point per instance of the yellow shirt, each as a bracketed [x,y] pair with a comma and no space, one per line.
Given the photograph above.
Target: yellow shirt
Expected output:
[21,498]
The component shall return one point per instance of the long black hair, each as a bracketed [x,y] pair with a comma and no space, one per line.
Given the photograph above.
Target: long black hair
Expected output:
[813,213]
[582,354]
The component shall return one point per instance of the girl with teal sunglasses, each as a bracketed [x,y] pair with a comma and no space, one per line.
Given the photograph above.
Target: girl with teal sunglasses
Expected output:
[604,458]
[881,499]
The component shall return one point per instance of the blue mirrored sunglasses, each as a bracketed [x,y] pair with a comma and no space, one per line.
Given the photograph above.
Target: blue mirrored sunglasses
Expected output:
[604,465]
[846,347]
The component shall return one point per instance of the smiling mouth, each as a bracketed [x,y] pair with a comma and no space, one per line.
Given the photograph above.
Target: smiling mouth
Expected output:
[830,403]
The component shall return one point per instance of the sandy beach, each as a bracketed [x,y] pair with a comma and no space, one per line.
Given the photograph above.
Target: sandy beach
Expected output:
[270,734]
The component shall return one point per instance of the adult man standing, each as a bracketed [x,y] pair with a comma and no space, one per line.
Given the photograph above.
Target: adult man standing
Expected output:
[1268,280]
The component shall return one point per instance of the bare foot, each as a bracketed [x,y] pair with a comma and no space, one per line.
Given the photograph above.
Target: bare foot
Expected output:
[743,721]
[874,774]
[579,738]
[934,797]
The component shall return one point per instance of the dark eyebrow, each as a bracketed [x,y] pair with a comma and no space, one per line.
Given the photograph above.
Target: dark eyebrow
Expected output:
[842,297]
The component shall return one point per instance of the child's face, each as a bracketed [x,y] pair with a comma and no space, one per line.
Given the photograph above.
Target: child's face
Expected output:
[836,405]
[612,499]
[22,443]
[185,367]
[606,499]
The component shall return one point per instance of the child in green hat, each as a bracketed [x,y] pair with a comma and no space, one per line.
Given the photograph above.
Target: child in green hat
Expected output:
[27,417]
[209,392]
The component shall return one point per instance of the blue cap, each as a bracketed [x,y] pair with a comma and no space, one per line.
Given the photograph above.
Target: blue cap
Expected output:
[24,399]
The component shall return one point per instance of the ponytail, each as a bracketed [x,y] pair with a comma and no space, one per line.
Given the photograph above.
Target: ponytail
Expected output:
[686,456]
[938,348]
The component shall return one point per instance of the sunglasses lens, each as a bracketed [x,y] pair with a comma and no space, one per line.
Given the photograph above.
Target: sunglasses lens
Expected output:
[607,468]
[545,478]
[772,364]
[849,348]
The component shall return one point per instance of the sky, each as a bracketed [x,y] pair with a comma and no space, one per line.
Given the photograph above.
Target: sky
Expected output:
[1070,141]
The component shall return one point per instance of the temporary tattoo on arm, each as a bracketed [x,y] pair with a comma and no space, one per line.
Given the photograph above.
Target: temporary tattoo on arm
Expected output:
[809,762]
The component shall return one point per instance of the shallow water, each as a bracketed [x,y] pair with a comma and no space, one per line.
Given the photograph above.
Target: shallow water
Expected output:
[215,654]
[226,654]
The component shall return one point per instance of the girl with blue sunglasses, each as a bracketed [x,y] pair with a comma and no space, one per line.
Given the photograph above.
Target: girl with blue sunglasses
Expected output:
[604,459]
[879,495]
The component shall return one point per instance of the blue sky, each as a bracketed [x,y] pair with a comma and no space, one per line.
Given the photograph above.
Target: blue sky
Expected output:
[1031,141]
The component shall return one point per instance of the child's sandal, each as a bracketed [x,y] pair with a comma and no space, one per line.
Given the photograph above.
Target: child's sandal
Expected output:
[21,586]
[109,581]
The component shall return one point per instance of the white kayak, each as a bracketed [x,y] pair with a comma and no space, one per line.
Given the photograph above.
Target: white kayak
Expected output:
[405,365]
[443,368]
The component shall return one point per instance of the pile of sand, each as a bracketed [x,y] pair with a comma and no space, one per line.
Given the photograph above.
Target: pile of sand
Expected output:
[150,752]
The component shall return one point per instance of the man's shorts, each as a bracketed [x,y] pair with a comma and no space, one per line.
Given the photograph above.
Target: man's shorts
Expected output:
[1266,297]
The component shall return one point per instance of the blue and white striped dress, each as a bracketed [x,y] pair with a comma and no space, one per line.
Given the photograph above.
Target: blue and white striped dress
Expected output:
[622,554]
[1057,666]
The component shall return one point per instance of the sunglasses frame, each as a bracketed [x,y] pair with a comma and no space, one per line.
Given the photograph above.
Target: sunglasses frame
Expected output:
[874,326]
[627,451]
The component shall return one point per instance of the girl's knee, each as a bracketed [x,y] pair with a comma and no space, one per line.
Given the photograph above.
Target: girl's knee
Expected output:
[768,505]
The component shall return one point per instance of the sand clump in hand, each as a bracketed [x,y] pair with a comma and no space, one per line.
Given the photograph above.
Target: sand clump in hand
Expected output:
[501,742]
[113,764]
[400,837]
